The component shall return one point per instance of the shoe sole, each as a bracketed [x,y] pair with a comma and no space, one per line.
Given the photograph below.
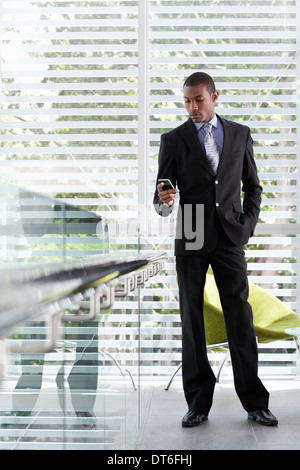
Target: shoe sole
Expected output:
[190,425]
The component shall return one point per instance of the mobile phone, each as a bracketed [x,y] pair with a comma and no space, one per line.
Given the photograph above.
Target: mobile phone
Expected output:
[167,184]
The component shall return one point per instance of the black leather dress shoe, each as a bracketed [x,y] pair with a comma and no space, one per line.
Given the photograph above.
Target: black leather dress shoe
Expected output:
[264,417]
[193,418]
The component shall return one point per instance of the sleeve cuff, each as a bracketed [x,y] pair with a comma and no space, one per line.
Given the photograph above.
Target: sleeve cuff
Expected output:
[165,210]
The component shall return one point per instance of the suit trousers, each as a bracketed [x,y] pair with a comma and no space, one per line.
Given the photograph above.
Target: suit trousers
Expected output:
[230,271]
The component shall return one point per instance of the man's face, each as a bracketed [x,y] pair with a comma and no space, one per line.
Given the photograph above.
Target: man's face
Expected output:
[199,103]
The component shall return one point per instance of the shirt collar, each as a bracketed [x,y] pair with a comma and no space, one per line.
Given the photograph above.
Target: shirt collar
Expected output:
[213,121]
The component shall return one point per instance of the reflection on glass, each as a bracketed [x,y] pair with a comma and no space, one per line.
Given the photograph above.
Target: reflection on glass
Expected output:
[36,229]
[78,395]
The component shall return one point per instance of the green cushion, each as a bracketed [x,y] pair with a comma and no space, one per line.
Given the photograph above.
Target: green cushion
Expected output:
[270,316]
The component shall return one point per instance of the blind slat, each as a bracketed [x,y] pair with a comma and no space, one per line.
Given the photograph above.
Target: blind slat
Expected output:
[71,77]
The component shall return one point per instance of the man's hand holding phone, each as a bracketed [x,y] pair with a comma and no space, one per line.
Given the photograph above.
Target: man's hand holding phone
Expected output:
[166,191]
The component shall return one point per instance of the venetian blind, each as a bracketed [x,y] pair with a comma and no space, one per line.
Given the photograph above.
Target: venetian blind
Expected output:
[89,86]
[251,48]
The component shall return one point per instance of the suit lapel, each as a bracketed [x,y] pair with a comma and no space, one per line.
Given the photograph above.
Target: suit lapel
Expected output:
[192,140]
[227,129]
[191,137]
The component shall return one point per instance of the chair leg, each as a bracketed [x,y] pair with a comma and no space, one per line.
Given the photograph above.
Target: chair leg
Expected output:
[296,339]
[171,379]
[218,375]
[221,366]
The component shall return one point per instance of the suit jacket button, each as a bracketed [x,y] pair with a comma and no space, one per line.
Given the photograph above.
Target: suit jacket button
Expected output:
[217,182]
[217,204]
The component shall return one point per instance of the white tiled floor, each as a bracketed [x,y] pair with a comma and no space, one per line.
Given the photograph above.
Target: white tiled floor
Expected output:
[227,427]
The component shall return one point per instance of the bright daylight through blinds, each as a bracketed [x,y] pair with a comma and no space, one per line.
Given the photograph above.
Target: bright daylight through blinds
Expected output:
[87,88]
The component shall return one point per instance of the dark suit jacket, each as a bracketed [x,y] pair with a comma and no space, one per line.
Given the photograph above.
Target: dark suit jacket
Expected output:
[183,161]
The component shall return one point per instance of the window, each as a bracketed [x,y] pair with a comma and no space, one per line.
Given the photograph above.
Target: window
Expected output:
[89,86]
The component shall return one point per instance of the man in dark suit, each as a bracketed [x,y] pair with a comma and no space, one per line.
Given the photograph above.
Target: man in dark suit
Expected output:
[208,169]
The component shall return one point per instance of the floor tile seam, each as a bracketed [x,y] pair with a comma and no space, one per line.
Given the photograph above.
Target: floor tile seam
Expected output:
[141,431]
[254,425]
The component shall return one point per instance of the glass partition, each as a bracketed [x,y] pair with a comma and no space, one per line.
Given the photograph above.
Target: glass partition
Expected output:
[37,229]
[84,392]
[77,396]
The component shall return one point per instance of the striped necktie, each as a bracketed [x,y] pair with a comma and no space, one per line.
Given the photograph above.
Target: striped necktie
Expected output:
[212,151]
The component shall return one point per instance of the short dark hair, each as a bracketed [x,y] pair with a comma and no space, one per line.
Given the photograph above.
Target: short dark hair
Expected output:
[198,78]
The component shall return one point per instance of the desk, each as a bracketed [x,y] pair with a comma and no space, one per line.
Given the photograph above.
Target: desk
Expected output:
[293,331]
[296,333]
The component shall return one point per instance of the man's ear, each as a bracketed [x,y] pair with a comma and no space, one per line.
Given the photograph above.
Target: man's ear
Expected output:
[215,96]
